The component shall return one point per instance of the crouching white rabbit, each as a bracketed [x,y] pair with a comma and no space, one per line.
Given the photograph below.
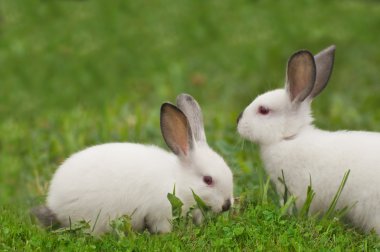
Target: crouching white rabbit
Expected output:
[107,181]
[280,121]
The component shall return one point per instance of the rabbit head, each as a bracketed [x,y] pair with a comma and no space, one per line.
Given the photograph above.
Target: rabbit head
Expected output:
[201,169]
[281,114]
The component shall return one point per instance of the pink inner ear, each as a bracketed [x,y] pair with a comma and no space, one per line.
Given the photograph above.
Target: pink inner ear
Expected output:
[181,134]
[176,130]
[300,75]
[181,142]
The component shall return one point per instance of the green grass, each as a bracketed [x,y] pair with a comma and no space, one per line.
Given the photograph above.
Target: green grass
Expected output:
[79,73]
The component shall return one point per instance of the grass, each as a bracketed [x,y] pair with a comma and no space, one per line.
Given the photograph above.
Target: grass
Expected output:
[79,73]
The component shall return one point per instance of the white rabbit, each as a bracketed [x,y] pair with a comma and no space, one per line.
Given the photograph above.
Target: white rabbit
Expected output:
[280,122]
[106,181]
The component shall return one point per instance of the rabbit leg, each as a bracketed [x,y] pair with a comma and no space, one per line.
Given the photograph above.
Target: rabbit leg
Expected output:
[197,216]
[161,226]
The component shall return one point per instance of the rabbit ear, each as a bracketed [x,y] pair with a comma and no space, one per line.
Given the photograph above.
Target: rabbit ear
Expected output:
[300,75]
[176,129]
[193,112]
[324,62]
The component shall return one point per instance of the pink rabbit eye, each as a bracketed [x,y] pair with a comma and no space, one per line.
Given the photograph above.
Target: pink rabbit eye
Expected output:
[263,110]
[207,180]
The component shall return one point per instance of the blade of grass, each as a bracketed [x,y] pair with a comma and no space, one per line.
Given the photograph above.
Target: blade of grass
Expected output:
[286,191]
[265,192]
[176,204]
[330,211]
[289,203]
[201,204]
[309,199]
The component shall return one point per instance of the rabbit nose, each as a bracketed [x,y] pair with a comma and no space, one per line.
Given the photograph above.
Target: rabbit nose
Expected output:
[239,117]
[226,206]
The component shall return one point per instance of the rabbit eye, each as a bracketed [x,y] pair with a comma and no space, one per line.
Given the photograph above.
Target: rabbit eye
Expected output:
[263,110]
[207,180]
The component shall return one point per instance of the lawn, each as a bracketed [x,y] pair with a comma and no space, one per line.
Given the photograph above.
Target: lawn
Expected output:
[75,73]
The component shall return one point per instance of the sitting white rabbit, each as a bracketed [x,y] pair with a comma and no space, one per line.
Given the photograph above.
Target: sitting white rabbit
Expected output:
[107,181]
[280,122]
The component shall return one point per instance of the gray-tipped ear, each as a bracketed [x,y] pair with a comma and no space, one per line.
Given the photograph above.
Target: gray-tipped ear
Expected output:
[193,112]
[324,62]
[300,75]
[176,130]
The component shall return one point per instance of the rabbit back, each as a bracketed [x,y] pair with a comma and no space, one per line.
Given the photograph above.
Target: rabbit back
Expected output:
[323,157]
[107,181]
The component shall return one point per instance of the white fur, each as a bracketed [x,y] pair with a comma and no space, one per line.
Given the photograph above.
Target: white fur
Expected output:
[290,143]
[106,181]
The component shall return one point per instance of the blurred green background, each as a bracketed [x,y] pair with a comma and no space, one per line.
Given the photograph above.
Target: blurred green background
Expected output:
[79,73]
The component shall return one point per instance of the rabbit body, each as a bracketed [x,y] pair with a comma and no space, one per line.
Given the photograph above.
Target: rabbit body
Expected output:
[324,157]
[107,181]
[280,122]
